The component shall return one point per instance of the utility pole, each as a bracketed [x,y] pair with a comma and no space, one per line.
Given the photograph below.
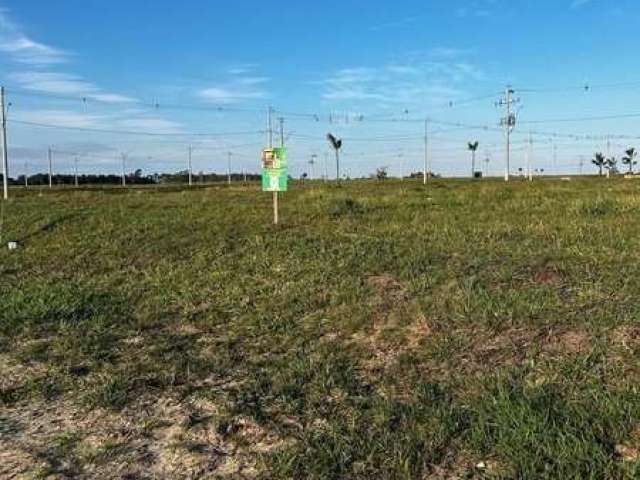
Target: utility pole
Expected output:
[608,154]
[26,174]
[5,161]
[281,120]
[581,164]
[50,168]
[529,158]
[270,127]
[229,168]
[312,162]
[426,152]
[555,156]
[124,176]
[189,165]
[75,170]
[326,172]
[509,123]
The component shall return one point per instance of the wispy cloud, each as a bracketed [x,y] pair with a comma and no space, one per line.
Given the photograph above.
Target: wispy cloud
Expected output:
[399,23]
[148,124]
[242,84]
[23,49]
[476,8]
[424,82]
[447,52]
[230,94]
[579,3]
[64,84]
[62,118]
[242,68]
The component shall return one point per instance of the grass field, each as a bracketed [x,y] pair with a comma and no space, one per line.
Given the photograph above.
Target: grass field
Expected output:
[384,330]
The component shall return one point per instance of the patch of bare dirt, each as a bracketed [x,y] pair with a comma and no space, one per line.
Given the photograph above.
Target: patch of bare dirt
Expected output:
[568,341]
[398,323]
[515,345]
[629,451]
[540,275]
[546,276]
[627,336]
[154,438]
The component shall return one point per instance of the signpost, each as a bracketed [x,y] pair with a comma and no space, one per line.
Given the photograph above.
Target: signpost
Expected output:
[274,174]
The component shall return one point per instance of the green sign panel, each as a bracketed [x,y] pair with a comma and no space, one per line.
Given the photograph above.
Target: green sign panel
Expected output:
[274,170]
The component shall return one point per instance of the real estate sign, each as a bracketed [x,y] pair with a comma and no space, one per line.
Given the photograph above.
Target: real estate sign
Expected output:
[274,170]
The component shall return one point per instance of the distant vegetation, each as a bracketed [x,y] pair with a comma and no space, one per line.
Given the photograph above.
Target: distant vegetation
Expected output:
[135,178]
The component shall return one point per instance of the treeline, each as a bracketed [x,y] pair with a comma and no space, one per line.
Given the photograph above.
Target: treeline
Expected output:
[60,179]
[201,177]
[135,178]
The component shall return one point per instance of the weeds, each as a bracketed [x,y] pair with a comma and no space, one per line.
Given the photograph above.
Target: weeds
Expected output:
[473,330]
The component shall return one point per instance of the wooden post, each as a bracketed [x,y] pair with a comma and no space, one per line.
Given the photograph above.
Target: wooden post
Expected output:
[275,208]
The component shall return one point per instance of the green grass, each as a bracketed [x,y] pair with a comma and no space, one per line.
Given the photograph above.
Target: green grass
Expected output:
[384,330]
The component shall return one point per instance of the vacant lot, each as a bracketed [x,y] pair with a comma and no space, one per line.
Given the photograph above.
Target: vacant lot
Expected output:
[384,330]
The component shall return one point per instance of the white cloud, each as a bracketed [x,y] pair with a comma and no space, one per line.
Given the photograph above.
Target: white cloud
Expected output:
[425,82]
[236,89]
[149,124]
[61,118]
[22,49]
[402,22]
[580,3]
[230,95]
[65,84]
[447,52]
[252,80]
[242,69]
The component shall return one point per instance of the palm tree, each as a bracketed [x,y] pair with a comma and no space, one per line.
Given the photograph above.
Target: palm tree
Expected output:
[630,158]
[612,166]
[599,161]
[337,145]
[473,146]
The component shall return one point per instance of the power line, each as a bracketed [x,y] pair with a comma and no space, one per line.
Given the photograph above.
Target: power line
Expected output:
[91,98]
[130,132]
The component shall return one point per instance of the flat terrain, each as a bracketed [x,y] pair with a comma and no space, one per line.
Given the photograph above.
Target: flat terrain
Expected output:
[383,331]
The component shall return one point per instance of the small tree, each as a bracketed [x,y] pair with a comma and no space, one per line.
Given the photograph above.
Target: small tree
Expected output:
[611,164]
[473,147]
[599,161]
[630,158]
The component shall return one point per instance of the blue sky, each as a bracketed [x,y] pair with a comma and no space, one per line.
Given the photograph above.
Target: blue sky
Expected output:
[369,71]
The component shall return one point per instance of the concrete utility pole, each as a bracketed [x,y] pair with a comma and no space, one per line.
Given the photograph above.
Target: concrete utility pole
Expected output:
[189,166]
[426,170]
[530,158]
[75,170]
[49,154]
[312,162]
[270,127]
[124,175]
[326,171]
[509,123]
[26,174]
[281,120]
[5,160]
[229,168]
